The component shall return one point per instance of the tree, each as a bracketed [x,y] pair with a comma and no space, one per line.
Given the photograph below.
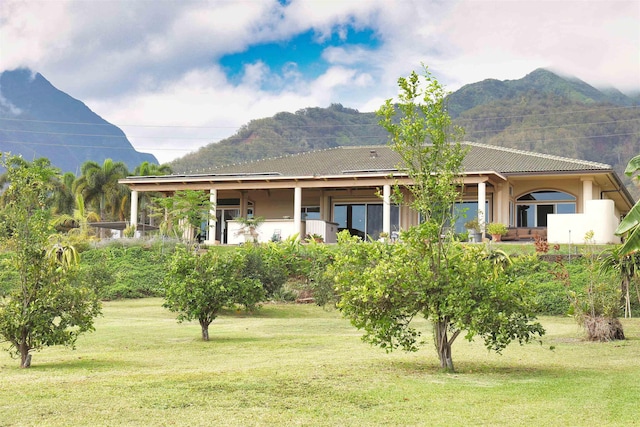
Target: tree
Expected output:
[630,225]
[626,268]
[100,188]
[185,211]
[383,287]
[78,223]
[146,197]
[46,306]
[199,286]
[63,198]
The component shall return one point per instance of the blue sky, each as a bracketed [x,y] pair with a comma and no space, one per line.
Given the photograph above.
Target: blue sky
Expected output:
[302,53]
[177,75]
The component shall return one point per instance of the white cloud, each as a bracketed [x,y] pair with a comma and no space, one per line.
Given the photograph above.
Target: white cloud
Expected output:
[155,63]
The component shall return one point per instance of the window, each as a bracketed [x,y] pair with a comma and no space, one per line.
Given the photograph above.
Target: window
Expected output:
[533,208]
[310,212]
[364,219]
[467,210]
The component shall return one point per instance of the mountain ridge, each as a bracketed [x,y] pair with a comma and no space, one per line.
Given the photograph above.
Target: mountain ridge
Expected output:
[38,120]
[542,112]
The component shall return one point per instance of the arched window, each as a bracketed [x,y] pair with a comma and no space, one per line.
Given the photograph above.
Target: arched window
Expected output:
[532,208]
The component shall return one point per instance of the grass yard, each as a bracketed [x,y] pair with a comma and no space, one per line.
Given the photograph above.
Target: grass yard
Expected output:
[301,365]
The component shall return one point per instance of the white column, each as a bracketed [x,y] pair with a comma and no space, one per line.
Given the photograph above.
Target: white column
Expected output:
[134,208]
[297,211]
[587,193]
[386,209]
[213,198]
[482,196]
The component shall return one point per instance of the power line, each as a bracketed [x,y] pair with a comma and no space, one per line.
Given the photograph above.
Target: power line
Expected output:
[279,139]
[13,119]
[301,127]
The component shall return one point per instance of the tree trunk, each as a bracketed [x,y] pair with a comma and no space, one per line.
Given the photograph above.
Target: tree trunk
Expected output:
[443,344]
[627,298]
[25,357]
[205,330]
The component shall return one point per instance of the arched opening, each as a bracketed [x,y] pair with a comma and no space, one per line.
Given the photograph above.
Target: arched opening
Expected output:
[532,208]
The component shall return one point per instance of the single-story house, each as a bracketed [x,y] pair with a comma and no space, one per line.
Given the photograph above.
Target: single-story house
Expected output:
[322,192]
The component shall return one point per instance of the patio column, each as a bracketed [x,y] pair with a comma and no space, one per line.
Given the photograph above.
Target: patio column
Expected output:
[386,209]
[297,211]
[587,192]
[213,198]
[134,208]
[482,196]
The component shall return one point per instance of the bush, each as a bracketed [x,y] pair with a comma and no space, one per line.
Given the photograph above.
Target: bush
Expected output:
[119,271]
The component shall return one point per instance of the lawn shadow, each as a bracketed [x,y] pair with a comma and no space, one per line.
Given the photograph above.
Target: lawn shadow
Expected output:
[89,364]
[431,367]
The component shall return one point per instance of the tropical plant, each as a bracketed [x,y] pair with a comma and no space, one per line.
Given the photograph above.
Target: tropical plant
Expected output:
[46,307]
[626,268]
[78,224]
[145,198]
[63,198]
[250,227]
[497,229]
[597,307]
[630,225]
[100,188]
[472,224]
[182,214]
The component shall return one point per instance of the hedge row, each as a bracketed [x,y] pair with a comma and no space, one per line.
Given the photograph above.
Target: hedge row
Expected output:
[290,270]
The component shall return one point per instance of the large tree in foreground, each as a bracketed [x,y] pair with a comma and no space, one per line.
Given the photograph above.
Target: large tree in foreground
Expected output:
[383,287]
[46,306]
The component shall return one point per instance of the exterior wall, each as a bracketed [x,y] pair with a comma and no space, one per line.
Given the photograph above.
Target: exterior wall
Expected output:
[600,217]
[572,186]
[265,231]
[328,230]
[283,228]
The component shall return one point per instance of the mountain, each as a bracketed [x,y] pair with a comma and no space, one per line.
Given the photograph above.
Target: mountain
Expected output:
[541,112]
[540,81]
[287,133]
[38,120]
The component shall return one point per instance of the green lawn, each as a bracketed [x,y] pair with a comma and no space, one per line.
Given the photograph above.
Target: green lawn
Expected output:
[301,365]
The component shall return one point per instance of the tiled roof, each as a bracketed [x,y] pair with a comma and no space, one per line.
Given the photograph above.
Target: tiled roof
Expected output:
[371,159]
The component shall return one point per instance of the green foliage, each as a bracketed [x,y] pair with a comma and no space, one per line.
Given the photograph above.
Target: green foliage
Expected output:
[118,271]
[199,286]
[597,308]
[496,228]
[46,306]
[190,206]
[540,113]
[383,287]
[99,186]
[266,263]
[630,225]
[285,133]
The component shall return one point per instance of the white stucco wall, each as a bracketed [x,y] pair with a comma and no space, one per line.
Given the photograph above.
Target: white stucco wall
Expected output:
[599,217]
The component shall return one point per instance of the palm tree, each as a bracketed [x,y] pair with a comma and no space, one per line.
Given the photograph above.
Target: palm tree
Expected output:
[100,188]
[63,198]
[78,223]
[626,268]
[146,198]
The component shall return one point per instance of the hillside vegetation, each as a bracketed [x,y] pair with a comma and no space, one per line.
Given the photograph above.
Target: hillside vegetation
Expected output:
[541,112]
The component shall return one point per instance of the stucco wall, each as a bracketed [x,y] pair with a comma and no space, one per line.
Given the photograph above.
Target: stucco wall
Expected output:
[599,217]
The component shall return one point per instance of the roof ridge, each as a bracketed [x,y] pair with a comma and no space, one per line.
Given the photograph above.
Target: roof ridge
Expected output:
[542,155]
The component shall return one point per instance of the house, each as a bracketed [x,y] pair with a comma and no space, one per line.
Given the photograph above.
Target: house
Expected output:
[322,192]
